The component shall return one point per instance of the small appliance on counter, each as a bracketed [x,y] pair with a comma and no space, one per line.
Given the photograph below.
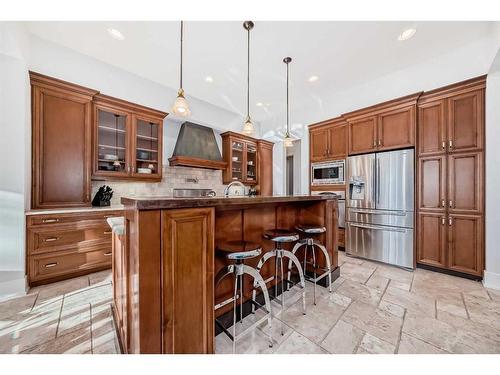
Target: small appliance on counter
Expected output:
[103,197]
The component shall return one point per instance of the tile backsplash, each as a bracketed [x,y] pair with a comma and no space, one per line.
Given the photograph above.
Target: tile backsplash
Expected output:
[173,178]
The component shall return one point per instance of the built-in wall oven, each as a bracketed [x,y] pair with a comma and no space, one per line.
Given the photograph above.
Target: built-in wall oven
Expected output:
[341,203]
[328,173]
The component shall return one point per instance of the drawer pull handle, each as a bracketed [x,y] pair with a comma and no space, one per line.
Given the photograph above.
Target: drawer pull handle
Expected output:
[51,239]
[108,232]
[108,216]
[107,254]
[50,265]
[50,220]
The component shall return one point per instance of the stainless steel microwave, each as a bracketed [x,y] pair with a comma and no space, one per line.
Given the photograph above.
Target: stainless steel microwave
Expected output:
[328,173]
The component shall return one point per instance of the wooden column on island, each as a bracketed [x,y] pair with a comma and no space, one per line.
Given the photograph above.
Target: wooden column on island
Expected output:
[169,252]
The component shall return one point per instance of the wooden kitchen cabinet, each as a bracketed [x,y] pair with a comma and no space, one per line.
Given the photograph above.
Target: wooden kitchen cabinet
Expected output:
[465,243]
[432,125]
[396,129]
[61,143]
[432,183]
[195,314]
[465,121]
[249,160]
[450,176]
[66,245]
[328,140]
[432,239]
[128,140]
[465,187]
[386,126]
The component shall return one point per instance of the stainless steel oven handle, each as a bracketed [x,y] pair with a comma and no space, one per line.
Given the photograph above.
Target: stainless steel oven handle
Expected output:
[378,228]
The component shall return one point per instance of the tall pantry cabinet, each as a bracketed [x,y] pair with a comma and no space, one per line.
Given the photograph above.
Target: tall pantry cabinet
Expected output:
[450,175]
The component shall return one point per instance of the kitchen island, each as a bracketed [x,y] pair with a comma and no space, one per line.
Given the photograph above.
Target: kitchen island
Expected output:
[165,264]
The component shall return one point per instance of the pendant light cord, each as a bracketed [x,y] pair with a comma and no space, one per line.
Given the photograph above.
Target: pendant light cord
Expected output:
[248,73]
[287,106]
[182,39]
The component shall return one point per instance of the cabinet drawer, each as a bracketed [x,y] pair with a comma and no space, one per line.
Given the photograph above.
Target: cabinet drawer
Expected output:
[65,263]
[60,239]
[70,218]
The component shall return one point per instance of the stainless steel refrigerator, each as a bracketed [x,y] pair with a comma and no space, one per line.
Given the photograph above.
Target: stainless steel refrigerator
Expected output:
[380,205]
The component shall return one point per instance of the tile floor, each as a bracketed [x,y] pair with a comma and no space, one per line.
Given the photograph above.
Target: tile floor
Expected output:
[374,308]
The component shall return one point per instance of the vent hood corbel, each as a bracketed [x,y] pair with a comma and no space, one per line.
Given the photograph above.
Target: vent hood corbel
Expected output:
[196,147]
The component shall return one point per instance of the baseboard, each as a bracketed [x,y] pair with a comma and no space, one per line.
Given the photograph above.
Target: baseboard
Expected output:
[12,284]
[491,280]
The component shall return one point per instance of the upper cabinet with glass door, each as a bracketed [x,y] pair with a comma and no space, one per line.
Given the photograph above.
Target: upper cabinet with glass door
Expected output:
[127,140]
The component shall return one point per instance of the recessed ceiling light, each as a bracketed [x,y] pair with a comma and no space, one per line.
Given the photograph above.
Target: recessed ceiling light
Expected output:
[209,79]
[313,78]
[407,34]
[116,34]
[259,104]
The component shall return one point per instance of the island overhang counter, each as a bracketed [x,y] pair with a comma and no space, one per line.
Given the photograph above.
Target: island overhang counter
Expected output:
[164,265]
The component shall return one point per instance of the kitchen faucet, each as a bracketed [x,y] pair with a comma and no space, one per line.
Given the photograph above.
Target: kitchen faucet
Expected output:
[226,189]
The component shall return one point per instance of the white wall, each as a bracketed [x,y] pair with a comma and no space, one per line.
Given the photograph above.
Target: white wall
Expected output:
[492,271]
[14,146]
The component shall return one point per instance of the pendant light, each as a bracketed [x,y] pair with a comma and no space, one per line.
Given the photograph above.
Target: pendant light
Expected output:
[248,128]
[181,107]
[288,140]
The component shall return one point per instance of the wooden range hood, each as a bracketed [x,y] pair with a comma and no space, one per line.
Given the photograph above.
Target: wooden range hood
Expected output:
[196,147]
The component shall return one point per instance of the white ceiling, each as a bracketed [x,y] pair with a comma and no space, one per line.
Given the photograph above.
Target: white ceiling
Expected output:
[342,54]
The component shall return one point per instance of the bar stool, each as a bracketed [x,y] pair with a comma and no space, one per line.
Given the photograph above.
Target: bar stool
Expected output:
[238,251]
[280,236]
[309,232]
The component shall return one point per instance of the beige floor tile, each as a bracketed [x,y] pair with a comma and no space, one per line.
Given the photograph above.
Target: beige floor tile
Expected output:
[344,338]
[76,342]
[73,319]
[255,342]
[356,273]
[481,329]
[410,301]
[375,321]
[391,308]
[298,344]
[100,278]
[412,345]
[318,321]
[377,282]
[95,295]
[339,299]
[404,285]
[343,258]
[494,294]
[482,310]
[360,292]
[374,345]
[17,307]
[394,273]
[452,303]
[104,340]
[57,290]
[446,336]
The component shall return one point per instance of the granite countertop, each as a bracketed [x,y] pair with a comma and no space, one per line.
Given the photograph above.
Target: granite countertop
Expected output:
[117,207]
[168,202]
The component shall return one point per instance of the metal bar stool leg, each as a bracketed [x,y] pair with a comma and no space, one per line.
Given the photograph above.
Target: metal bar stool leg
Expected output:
[235,304]
[314,271]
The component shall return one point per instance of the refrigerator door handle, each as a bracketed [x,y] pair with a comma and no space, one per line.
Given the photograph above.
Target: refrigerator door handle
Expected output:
[377,187]
[375,212]
[388,229]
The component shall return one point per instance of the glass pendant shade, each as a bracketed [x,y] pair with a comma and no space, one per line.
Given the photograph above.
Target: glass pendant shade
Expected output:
[248,127]
[181,107]
[288,141]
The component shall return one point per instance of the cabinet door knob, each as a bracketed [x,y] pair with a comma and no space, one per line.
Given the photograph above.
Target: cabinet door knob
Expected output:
[443,220]
[450,203]
[450,144]
[443,203]
[450,221]
[380,142]
[374,143]
[443,145]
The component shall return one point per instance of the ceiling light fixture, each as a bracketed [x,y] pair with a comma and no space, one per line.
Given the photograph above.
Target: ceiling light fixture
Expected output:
[313,78]
[116,34]
[181,107]
[288,140]
[209,79]
[259,104]
[407,34]
[248,128]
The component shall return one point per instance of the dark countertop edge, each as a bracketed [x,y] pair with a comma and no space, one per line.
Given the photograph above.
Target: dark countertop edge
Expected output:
[158,203]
